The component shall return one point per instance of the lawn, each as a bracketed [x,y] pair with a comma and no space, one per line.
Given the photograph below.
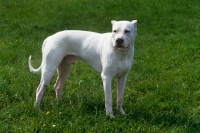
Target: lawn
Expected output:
[162,92]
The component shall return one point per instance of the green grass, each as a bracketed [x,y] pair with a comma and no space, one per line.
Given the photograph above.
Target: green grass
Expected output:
[162,92]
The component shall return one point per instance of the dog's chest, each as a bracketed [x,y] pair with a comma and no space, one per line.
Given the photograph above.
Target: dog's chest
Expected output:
[123,67]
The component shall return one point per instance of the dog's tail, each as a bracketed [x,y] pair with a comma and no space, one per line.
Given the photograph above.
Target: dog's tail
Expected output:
[38,70]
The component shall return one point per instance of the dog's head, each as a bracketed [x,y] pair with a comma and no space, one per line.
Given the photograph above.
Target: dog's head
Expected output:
[123,33]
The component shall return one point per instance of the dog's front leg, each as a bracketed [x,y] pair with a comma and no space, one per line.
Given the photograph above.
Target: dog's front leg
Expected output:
[121,81]
[108,94]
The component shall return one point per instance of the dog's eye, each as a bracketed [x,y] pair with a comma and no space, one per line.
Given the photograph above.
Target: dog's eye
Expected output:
[127,31]
[115,31]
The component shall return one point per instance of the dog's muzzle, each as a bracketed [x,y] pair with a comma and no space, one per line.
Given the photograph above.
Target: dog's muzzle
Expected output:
[120,47]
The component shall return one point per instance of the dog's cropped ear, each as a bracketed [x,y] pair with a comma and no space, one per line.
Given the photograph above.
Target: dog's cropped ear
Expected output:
[113,21]
[135,23]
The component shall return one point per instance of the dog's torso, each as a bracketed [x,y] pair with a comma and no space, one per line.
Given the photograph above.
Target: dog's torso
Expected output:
[92,48]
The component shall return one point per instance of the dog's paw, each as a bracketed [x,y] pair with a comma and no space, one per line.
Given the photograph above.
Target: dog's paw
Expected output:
[37,106]
[59,99]
[110,115]
[121,111]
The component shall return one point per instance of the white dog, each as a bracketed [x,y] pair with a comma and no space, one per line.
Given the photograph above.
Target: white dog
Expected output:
[110,54]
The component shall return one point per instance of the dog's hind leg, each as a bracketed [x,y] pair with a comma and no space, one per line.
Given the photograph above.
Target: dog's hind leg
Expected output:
[63,70]
[39,94]
[49,66]
[45,80]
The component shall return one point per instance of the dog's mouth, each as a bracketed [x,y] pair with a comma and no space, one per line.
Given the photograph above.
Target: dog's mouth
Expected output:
[119,46]
[123,49]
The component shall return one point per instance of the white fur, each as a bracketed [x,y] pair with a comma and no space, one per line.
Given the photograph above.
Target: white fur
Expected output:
[102,52]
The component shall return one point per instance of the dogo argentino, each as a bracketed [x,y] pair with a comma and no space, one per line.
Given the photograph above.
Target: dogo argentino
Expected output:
[110,54]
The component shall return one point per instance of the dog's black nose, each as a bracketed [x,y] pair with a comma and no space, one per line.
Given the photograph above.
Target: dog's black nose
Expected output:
[119,41]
